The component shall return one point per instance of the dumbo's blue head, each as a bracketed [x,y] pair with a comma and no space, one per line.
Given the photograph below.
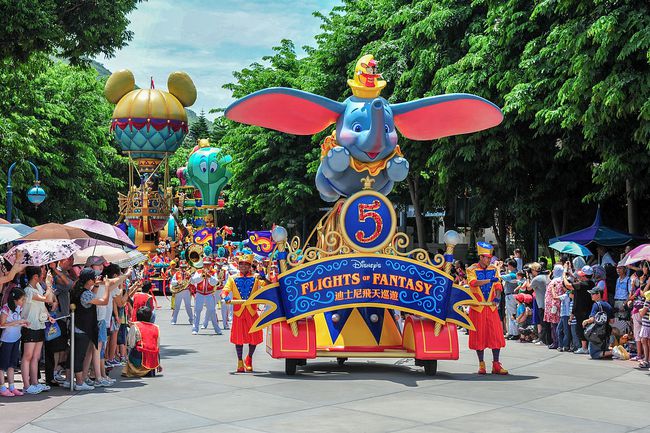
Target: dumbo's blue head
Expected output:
[366,129]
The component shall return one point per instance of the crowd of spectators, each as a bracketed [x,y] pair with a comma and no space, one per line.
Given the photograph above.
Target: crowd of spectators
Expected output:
[601,309]
[36,328]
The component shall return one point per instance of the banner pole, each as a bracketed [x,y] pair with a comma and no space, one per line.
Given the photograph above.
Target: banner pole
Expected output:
[283,268]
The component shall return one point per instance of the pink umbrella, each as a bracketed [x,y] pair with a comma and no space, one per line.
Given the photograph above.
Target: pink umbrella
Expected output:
[102,231]
[39,253]
[638,254]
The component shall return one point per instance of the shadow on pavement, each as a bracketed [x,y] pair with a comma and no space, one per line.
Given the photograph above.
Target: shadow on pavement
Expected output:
[405,375]
[167,352]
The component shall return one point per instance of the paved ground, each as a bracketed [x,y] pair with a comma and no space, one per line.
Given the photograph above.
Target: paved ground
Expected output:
[546,392]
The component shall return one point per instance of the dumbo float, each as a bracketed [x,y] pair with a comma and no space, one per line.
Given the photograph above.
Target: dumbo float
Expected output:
[365,140]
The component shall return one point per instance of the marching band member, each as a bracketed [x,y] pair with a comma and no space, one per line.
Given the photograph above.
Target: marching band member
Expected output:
[223,277]
[240,288]
[483,279]
[181,278]
[205,281]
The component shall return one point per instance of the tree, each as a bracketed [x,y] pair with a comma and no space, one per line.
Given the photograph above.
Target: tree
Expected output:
[198,130]
[588,77]
[59,119]
[71,29]
[270,168]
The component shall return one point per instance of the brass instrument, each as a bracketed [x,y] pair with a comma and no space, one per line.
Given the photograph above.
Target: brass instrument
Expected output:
[180,287]
[194,256]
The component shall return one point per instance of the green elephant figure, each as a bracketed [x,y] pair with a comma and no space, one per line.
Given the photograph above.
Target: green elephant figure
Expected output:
[207,170]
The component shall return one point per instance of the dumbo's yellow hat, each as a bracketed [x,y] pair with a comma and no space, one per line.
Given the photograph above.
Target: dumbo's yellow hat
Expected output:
[366,82]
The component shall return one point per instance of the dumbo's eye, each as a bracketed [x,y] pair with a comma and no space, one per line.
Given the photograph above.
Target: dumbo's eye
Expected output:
[203,166]
[213,167]
[356,127]
[386,128]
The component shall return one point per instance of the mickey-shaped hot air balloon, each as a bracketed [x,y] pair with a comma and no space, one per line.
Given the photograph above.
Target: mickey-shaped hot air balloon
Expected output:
[149,125]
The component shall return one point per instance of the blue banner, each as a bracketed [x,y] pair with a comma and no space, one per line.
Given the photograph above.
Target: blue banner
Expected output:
[363,280]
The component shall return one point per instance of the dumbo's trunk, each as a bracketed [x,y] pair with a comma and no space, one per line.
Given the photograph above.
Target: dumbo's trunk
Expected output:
[376,141]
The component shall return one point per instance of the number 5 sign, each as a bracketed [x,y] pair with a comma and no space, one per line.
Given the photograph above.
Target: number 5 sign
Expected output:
[368,221]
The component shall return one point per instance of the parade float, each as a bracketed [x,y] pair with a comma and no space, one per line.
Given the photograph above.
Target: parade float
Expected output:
[200,195]
[149,125]
[339,291]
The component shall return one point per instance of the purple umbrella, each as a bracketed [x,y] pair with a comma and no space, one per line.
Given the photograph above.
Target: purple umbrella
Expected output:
[102,231]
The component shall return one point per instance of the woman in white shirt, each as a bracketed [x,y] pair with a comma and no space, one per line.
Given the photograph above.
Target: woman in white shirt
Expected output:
[33,335]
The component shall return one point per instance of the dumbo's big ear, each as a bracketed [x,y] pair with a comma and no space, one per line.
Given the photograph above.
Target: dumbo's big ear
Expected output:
[445,115]
[286,110]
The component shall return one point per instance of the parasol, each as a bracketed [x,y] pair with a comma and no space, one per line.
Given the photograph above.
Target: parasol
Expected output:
[102,231]
[110,254]
[39,253]
[55,231]
[12,232]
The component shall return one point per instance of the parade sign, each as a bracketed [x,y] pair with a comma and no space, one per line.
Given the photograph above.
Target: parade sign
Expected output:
[363,280]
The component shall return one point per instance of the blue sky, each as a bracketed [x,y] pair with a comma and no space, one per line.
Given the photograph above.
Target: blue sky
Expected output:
[209,39]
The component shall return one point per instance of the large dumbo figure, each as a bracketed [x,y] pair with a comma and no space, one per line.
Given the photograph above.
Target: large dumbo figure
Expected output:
[365,140]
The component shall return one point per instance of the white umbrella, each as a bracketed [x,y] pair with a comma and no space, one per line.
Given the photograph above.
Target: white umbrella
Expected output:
[39,253]
[135,258]
[12,232]
[110,254]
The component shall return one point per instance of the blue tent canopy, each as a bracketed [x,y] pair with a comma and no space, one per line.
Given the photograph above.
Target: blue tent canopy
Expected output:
[599,234]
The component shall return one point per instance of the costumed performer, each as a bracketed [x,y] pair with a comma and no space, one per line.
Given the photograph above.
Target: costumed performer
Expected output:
[143,342]
[241,287]
[184,296]
[483,279]
[205,282]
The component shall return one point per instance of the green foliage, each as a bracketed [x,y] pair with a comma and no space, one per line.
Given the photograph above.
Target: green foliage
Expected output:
[269,169]
[572,78]
[71,29]
[58,120]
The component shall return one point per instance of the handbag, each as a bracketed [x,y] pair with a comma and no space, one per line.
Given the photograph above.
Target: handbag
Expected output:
[52,331]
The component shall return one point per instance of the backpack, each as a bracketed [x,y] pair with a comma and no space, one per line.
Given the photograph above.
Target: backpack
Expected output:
[597,332]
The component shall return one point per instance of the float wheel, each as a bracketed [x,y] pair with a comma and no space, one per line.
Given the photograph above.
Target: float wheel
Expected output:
[341,361]
[430,367]
[290,366]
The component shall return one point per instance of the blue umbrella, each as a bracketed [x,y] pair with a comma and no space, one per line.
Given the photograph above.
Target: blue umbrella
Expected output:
[12,232]
[572,248]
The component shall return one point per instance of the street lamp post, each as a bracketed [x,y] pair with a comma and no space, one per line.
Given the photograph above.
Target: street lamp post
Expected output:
[35,195]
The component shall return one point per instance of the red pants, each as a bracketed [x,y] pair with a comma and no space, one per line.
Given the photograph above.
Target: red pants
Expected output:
[489,330]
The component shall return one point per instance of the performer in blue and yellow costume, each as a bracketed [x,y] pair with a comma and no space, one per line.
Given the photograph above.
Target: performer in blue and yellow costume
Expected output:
[239,288]
[483,279]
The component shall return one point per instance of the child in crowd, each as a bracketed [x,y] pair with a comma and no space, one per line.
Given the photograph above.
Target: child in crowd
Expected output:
[644,335]
[522,316]
[10,341]
[522,287]
[573,323]
[564,329]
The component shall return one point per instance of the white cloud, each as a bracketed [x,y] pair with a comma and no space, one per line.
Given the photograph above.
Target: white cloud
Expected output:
[211,39]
